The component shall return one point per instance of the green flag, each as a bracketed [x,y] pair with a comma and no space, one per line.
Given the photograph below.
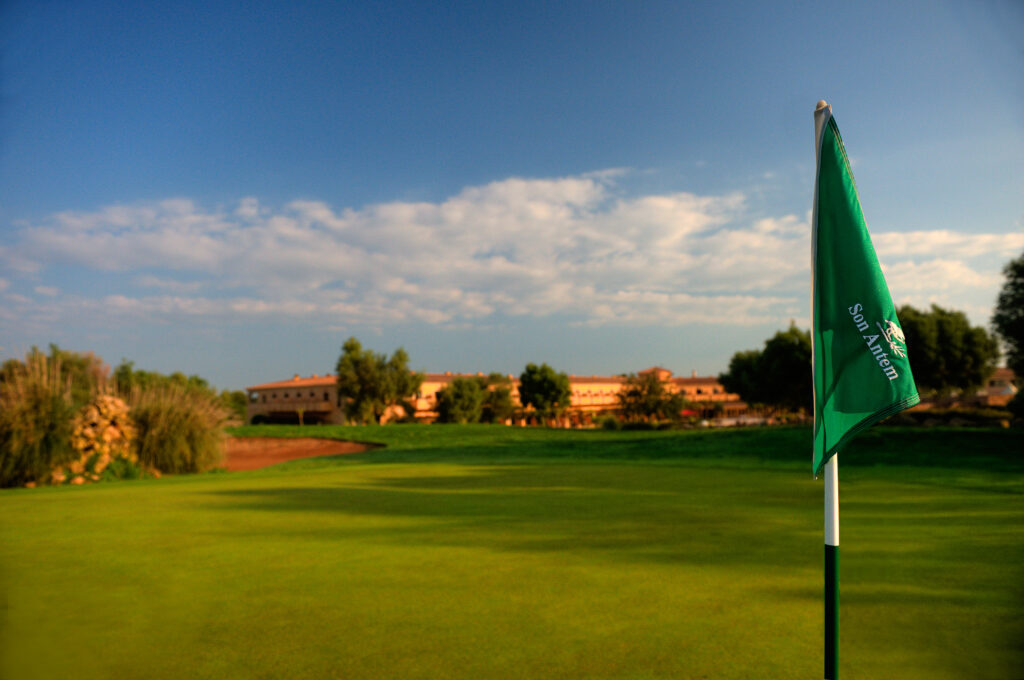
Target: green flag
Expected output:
[861,371]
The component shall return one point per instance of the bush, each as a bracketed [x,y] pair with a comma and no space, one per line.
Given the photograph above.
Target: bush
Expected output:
[609,423]
[956,417]
[178,430]
[1016,408]
[36,411]
[642,426]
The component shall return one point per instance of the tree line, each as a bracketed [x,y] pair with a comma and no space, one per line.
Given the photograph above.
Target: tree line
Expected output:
[947,354]
[371,384]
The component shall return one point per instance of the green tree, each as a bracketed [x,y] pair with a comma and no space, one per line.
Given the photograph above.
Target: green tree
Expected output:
[1008,319]
[461,401]
[946,353]
[234,401]
[779,375]
[128,379]
[498,406]
[743,376]
[370,383]
[644,397]
[545,390]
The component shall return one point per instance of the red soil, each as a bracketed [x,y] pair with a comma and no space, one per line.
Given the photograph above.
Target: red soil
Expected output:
[251,453]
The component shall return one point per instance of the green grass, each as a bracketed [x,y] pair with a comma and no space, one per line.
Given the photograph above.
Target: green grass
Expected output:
[489,552]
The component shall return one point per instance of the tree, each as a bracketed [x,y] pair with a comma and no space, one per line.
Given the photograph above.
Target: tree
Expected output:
[1008,319]
[946,353]
[497,406]
[235,402]
[779,375]
[461,401]
[370,383]
[545,390]
[743,376]
[127,379]
[644,397]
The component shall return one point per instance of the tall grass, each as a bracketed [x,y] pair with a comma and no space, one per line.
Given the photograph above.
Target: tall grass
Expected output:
[177,429]
[36,412]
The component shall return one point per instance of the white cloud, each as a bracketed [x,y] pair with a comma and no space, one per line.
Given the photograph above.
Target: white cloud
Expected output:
[48,291]
[173,285]
[936,276]
[519,247]
[945,243]
[248,208]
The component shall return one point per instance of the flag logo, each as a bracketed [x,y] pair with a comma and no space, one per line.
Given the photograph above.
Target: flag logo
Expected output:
[894,336]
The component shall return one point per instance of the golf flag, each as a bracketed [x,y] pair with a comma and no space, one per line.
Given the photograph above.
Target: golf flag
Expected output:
[861,371]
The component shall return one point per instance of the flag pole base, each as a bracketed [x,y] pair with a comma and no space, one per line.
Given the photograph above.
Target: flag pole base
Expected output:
[831,612]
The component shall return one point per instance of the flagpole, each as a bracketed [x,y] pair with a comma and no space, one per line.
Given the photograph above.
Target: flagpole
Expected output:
[831,474]
[860,378]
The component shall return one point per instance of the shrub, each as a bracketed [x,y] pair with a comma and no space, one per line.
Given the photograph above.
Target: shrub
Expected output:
[957,417]
[36,410]
[1016,408]
[641,425]
[178,430]
[610,423]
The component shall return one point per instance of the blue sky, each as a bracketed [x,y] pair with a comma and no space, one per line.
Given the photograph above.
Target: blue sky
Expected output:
[232,189]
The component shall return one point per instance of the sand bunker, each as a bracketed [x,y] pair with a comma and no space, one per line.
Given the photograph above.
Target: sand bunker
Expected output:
[252,453]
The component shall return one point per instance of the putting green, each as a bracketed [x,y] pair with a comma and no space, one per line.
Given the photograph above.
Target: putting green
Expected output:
[599,569]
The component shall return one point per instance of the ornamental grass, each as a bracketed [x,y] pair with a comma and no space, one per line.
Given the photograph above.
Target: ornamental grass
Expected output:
[177,430]
[36,412]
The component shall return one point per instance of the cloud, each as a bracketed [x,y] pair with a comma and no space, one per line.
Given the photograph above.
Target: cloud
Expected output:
[944,243]
[936,276]
[48,291]
[570,247]
[173,285]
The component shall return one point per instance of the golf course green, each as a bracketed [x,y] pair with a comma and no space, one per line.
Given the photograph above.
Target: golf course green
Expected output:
[480,552]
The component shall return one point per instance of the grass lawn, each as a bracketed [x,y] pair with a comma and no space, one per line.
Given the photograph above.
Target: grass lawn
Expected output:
[489,552]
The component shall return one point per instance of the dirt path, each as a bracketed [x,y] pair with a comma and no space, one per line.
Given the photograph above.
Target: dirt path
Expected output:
[252,453]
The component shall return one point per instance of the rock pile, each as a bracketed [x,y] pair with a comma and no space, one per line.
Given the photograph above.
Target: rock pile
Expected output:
[102,435]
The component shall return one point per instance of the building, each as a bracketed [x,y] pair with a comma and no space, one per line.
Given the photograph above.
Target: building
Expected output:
[297,400]
[999,389]
[315,399]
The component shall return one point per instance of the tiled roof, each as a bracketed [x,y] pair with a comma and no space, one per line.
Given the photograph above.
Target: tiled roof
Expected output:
[1003,373]
[591,379]
[449,376]
[298,381]
[694,381]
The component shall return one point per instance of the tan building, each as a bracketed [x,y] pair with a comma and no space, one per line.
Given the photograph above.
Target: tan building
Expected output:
[315,399]
[999,389]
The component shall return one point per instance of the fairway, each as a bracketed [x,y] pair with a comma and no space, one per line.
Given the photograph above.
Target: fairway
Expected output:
[484,552]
